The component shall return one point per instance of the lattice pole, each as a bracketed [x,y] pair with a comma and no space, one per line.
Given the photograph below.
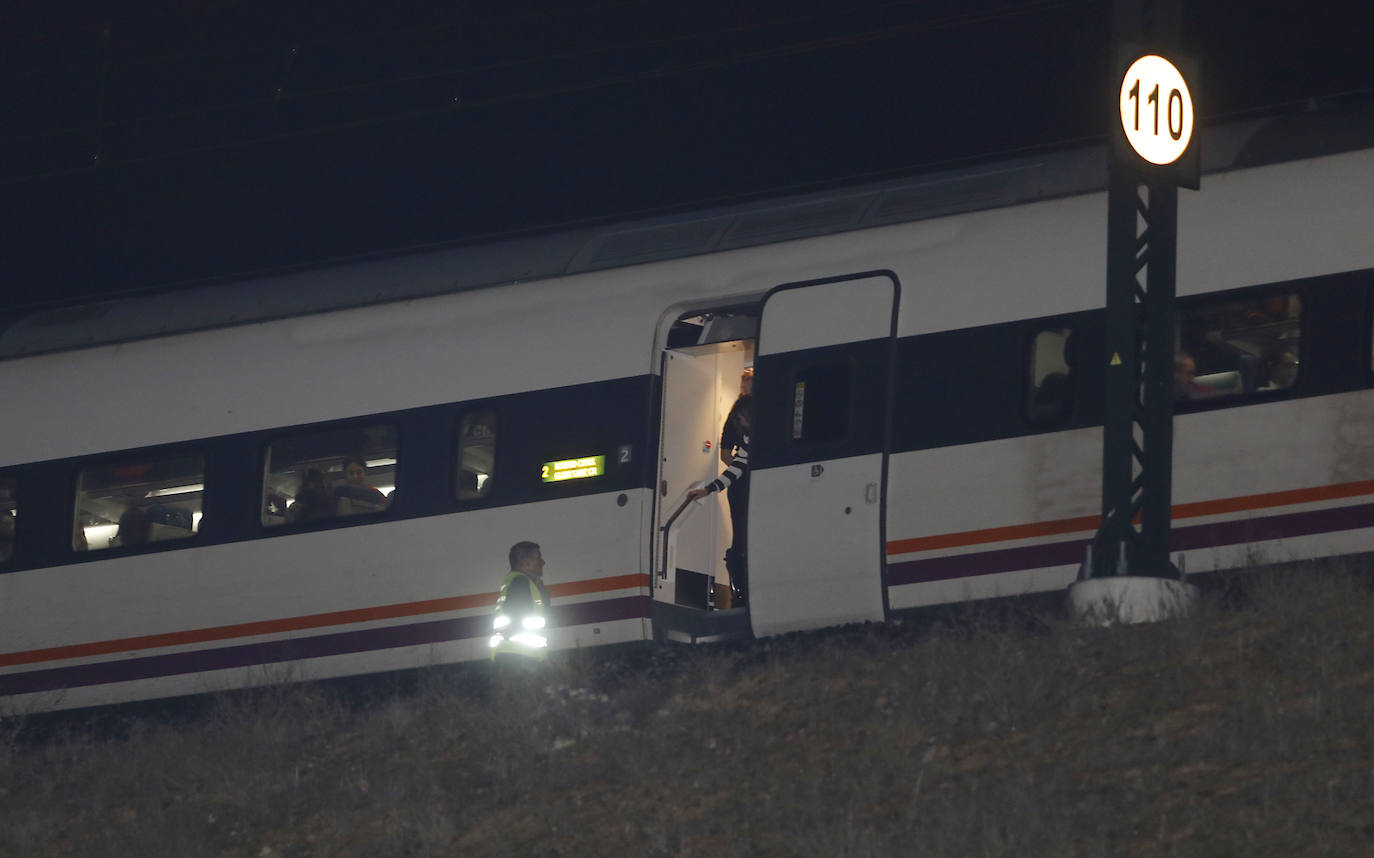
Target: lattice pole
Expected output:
[1142,241]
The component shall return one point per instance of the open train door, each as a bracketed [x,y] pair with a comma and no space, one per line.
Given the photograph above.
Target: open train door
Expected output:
[818,453]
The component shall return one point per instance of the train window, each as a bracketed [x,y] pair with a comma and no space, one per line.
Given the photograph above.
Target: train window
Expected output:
[1050,392]
[327,475]
[821,396]
[476,454]
[9,509]
[138,502]
[1250,345]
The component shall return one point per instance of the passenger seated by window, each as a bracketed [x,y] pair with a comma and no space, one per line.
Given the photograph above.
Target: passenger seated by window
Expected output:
[355,495]
[134,527]
[473,486]
[1051,400]
[313,501]
[1280,369]
[1186,385]
[467,485]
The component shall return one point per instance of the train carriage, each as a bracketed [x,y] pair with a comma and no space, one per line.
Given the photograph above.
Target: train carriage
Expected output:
[319,473]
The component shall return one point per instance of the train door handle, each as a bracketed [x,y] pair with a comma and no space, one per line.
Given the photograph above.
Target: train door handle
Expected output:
[871,493]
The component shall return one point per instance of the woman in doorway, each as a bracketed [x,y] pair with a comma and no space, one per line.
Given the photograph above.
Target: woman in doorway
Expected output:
[734,452]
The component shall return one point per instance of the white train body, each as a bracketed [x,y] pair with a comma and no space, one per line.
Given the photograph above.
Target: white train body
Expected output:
[928,494]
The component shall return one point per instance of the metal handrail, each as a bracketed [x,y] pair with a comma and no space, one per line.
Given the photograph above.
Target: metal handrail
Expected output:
[663,568]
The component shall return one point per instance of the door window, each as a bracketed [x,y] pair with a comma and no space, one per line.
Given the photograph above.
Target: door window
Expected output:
[821,399]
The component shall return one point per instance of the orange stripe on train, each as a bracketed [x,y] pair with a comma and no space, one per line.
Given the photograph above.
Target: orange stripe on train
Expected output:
[311,621]
[1091,522]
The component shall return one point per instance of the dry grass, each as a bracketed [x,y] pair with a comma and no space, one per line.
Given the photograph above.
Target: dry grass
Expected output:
[1248,730]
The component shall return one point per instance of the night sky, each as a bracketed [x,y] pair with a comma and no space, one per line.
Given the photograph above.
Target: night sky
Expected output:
[151,145]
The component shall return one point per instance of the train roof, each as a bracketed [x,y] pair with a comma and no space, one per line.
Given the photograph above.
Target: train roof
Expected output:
[1023,179]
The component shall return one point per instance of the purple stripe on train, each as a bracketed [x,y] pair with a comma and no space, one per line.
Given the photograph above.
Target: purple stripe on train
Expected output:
[317,646]
[1181,539]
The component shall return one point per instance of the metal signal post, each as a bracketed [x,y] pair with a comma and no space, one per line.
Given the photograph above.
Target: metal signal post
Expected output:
[1153,152]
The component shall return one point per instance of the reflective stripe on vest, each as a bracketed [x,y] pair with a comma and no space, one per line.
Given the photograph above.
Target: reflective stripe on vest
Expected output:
[524,634]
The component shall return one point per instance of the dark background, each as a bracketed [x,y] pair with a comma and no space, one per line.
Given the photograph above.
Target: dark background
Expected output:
[146,146]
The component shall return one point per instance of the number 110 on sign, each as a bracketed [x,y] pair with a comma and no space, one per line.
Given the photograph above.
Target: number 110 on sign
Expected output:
[1156,110]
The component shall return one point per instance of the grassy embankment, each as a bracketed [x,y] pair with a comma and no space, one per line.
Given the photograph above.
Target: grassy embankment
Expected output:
[1245,731]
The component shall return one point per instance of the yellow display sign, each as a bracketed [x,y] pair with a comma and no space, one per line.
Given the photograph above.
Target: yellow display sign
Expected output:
[574,469]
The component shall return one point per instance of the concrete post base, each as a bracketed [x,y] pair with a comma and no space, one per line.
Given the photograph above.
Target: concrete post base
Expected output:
[1129,599]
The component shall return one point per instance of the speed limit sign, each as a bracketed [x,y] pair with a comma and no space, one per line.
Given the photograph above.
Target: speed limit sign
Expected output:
[1156,110]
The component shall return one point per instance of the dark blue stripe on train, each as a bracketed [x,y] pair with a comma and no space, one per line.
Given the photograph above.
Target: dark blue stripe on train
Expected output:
[1190,538]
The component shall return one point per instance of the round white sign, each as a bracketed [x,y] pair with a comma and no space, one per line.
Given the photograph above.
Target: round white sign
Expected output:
[1156,110]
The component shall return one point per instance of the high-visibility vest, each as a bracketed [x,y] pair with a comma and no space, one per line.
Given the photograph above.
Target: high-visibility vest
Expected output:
[523,634]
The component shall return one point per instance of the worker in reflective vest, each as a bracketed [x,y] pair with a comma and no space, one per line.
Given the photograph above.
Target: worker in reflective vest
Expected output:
[518,627]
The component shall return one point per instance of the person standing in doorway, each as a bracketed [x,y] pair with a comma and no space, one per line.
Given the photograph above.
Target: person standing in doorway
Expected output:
[734,481]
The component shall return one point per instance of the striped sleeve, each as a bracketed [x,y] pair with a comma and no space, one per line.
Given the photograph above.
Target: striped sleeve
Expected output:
[738,466]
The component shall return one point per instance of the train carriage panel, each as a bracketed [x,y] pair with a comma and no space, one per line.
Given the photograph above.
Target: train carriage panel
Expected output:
[1274,223]
[310,605]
